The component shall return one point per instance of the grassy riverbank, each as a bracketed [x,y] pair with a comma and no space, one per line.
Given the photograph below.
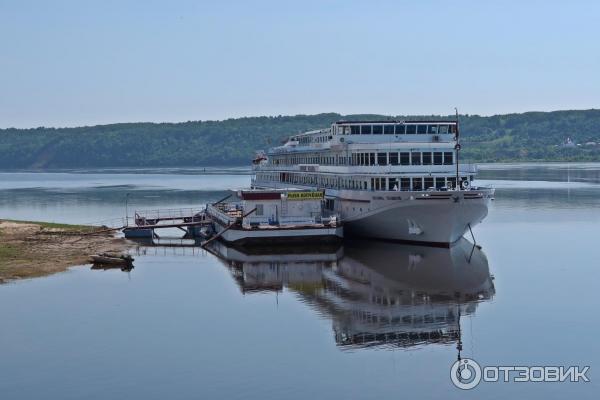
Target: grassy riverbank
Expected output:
[31,249]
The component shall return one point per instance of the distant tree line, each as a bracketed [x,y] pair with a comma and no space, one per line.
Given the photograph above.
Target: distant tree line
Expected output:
[531,136]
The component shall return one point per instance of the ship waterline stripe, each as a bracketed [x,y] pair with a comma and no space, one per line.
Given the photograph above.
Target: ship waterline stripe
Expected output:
[355,200]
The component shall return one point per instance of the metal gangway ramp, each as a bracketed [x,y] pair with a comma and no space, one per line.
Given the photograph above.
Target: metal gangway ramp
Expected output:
[146,221]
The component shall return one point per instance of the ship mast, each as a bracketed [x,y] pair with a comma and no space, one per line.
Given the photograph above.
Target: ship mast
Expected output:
[456,149]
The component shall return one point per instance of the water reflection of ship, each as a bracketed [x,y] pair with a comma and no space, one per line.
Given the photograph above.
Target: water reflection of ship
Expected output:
[404,295]
[376,293]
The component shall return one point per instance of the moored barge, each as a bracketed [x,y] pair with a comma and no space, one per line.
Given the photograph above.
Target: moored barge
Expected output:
[275,216]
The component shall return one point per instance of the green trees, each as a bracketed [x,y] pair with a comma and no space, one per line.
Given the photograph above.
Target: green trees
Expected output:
[533,136]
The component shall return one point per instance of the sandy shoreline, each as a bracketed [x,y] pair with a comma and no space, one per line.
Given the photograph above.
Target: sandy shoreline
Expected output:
[34,249]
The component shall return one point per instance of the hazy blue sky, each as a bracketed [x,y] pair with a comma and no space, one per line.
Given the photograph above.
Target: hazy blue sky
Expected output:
[68,63]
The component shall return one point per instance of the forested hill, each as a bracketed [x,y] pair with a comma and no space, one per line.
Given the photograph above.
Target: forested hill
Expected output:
[532,136]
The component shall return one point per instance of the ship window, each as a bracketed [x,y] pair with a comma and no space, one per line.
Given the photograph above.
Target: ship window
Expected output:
[404,158]
[452,129]
[399,129]
[371,158]
[415,158]
[365,130]
[388,129]
[259,209]
[440,183]
[392,184]
[382,158]
[421,129]
[443,129]
[437,158]
[377,129]
[355,130]
[433,129]
[447,158]
[411,129]
[417,183]
[427,158]
[404,183]
[428,183]
[394,158]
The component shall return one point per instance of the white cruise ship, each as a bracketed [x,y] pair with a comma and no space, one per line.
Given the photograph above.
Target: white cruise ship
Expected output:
[393,180]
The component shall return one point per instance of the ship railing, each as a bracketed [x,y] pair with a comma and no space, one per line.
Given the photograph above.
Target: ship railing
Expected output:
[153,217]
[464,168]
[221,214]
[109,223]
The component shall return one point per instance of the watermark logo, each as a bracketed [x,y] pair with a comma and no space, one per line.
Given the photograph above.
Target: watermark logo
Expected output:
[467,374]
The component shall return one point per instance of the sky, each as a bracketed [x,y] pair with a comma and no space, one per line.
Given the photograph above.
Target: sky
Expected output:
[73,63]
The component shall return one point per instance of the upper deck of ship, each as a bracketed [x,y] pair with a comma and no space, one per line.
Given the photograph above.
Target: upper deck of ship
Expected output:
[371,132]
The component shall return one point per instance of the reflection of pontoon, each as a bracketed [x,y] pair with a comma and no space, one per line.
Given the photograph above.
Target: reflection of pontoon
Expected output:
[270,269]
[377,294]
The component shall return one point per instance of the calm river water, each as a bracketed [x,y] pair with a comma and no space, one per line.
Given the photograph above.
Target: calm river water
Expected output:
[366,320]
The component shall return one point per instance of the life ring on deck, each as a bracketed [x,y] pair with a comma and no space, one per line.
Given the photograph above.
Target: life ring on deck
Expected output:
[465,184]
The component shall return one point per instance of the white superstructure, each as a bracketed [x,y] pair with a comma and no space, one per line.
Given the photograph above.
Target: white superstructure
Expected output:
[386,179]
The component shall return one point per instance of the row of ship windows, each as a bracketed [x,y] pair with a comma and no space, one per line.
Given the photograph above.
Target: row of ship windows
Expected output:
[373,184]
[400,129]
[379,158]
[367,316]
[419,183]
[404,158]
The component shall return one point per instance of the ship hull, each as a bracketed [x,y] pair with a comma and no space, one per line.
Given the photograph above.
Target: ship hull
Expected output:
[301,235]
[424,217]
[433,221]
